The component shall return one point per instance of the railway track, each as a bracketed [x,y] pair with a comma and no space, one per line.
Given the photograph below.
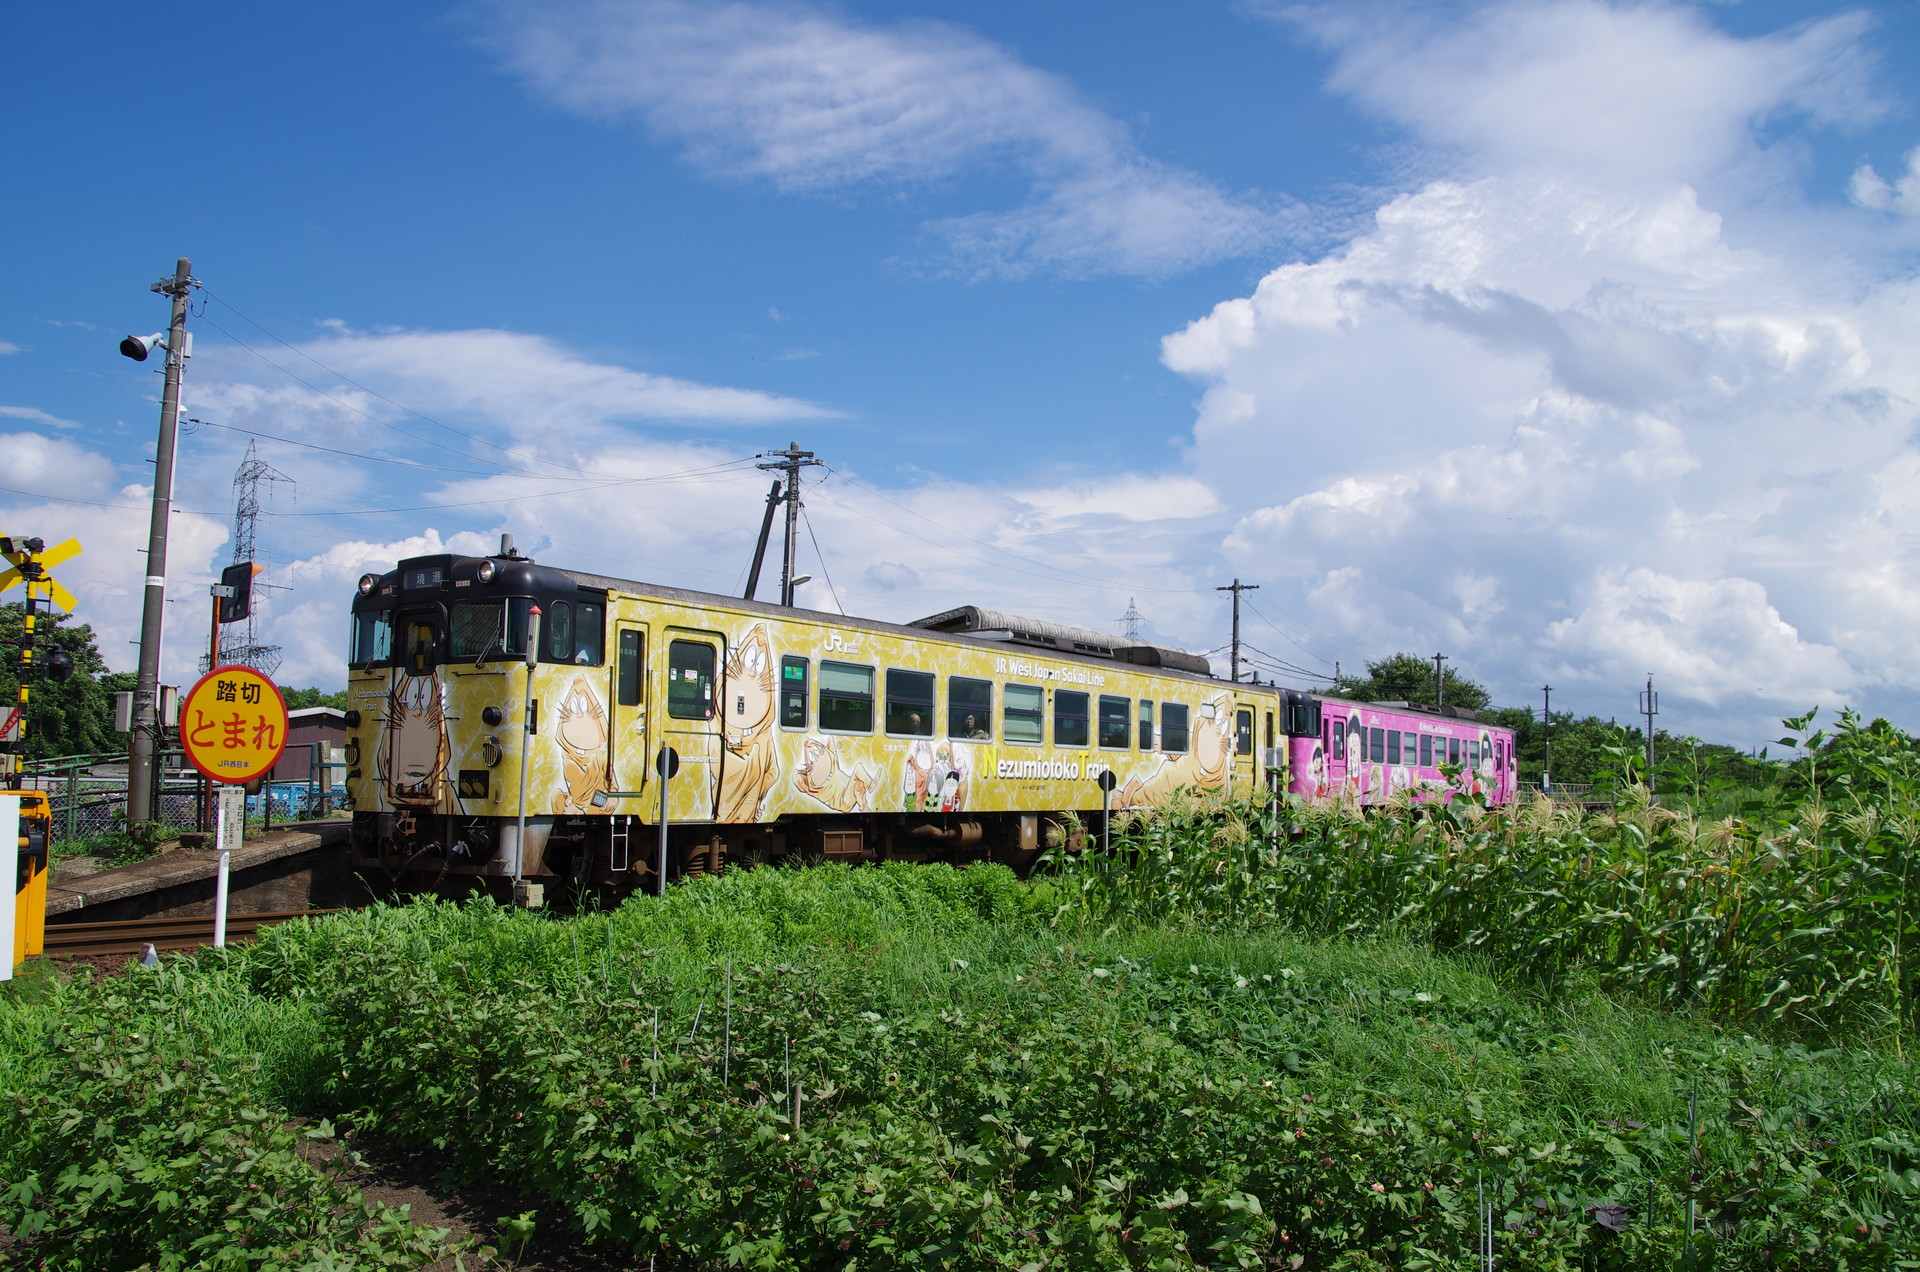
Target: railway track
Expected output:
[132,936]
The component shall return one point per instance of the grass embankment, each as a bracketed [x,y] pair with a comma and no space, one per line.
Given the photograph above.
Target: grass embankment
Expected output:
[908,1067]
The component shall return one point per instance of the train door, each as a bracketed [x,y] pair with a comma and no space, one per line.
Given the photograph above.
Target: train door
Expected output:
[1333,740]
[1243,757]
[413,743]
[630,758]
[692,724]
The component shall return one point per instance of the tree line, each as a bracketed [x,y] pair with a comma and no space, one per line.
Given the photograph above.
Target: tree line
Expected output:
[75,716]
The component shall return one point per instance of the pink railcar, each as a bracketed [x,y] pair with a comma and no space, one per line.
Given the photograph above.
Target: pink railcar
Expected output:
[1368,752]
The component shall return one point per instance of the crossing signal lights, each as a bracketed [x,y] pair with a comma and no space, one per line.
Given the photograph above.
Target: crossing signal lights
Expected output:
[236,590]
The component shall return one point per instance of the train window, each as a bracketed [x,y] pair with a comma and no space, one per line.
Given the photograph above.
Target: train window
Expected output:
[1146,724]
[559,628]
[793,692]
[1069,718]
[1473,755]
[910,703]
[632,646]
[1243,732]
[969,708]
[1173,727]
[1114,721]
[589,634]
[1269,716]
[1393,746]
[1411,746]
[421,639]
[1426,750]
[372,638]
[1025,714]
[1453,750]
[1376,746]
[846,697]
[474,629]
[689,679]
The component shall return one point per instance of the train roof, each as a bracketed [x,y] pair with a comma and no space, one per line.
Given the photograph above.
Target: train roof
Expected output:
[1026,633]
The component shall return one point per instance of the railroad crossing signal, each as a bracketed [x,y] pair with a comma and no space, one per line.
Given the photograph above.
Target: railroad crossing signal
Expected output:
[31,560]
[31,557]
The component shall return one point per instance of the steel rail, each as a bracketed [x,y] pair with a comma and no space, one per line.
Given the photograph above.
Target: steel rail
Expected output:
[132,936]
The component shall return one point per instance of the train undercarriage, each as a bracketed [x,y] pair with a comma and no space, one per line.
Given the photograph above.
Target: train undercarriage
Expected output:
[585,861]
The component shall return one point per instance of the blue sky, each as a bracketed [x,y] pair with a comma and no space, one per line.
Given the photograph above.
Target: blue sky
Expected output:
[1573,339]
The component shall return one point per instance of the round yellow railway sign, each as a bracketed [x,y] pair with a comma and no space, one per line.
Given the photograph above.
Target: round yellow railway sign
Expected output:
[233,724]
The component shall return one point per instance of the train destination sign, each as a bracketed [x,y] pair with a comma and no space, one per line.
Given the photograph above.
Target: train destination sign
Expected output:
[233,724]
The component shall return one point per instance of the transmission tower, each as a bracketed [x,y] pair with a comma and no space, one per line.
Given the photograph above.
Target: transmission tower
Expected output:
[1131,620]
[238,645]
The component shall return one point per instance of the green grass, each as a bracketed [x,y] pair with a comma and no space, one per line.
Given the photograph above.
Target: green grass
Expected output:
[980,1088]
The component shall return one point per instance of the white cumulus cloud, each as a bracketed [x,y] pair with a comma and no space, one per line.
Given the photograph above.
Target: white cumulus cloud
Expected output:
[1552,411]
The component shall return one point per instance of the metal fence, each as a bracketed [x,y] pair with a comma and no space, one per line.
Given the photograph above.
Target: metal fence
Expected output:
[88,793]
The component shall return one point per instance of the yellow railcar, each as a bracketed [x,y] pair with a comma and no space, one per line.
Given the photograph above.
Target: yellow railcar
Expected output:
[799,734]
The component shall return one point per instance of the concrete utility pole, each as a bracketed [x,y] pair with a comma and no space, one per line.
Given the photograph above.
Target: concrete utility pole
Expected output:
[144,742]
[1649,707]
[1237,588]
[791,461]
[1439,682]
[1546,734]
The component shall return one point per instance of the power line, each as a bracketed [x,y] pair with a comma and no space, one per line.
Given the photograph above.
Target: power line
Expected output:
[368,415]
[401,406]
[822,558]
[333,450]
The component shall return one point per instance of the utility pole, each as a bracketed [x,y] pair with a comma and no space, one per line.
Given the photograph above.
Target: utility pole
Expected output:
[1439,683]
[144,742]
[791,461]
[1237,588]
[1546,735]
[1649,707]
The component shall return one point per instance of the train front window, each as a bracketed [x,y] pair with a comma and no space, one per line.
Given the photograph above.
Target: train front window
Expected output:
[559,627]
[689,680]
[372,643]
[910,703]
[421,640]
[589,634]
[475,629]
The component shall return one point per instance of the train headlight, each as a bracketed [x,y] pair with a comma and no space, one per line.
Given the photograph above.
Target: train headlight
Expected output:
[490,753]
[486,571]
[492,716]
[367,583]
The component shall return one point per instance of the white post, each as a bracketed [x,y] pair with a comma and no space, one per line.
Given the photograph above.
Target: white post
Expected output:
[228,828]
[661,768]
[9,874]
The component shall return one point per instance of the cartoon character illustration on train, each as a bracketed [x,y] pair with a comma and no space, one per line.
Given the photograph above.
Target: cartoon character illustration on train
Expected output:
[511,720]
